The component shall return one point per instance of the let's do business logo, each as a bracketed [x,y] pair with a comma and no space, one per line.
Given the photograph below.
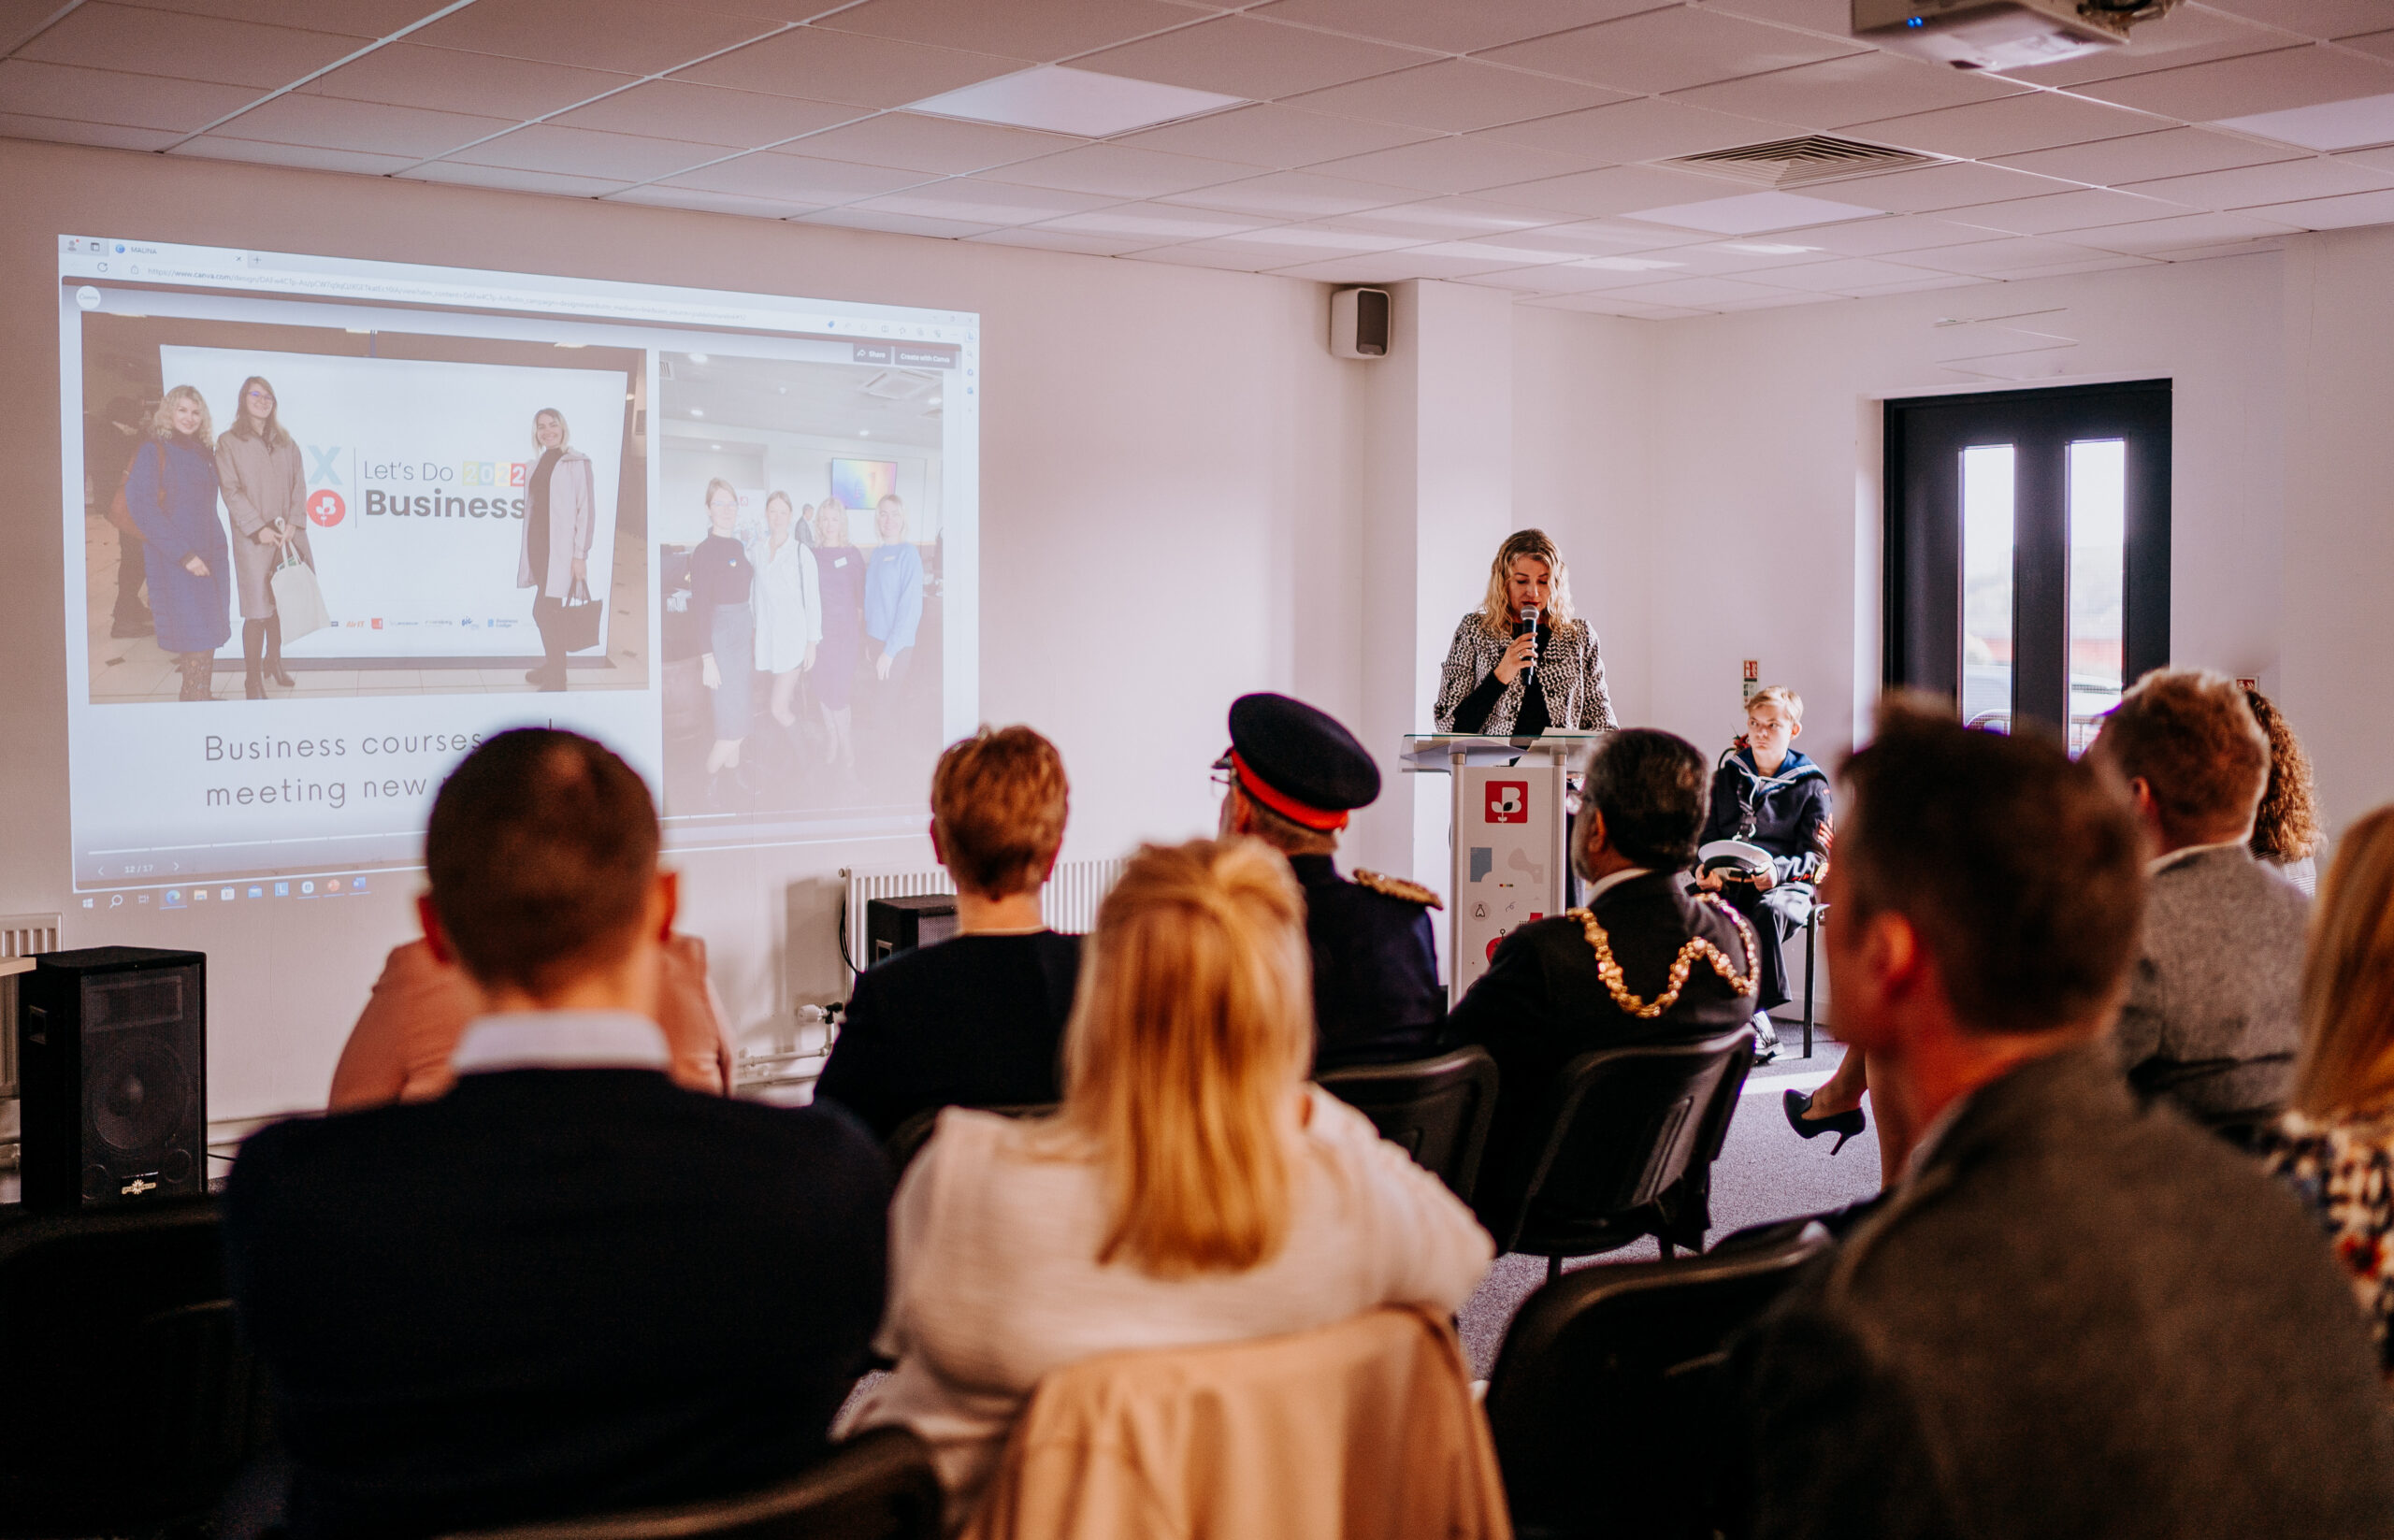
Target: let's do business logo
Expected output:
[328,507]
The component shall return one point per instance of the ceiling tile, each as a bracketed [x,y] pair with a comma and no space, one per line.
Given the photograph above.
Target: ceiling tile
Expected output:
[1699,291]
[586,152]
[1955,184]
[658,195]
[915,141]
[1500,251]
[1294,194]
[2079,210]
[1942,280]
[1451,28]
[1466,165]
[1619,189]
[2255,82]
[676,109]
[2313,17]
[111,96]
[1754,213]
[450,80]
[1832,16]
[1649,129]
[1039,30]
[2377,44]
[221,148]
[1848,274]
[1520,281]
[1268,135]
[1886,236]
[1454,96]
[1776,302]
[2008,125]
[1443,218]
[2342,213]
[2378,160]
[1260,249]
[1386,268]
[1042,240]
[187,48]
[1198,253]
[1245,57]
[2288,182]
[850,217]
[2187,36]
[1607,305]
[846,67]
[1668,50]
[1601,238]
[376,127]
[2234,248]
[2329,126]
[799,179]
[511,181]
[1114,171]
[1584,277]
[2152,237]
[626,36]
[354,18]
[985,202]
[19,125]
[1153,223]
[2145,157]
[2099,263]
[1838,93]
[2003,257]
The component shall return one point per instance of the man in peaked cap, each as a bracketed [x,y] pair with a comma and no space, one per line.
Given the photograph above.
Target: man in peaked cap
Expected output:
[1294,774]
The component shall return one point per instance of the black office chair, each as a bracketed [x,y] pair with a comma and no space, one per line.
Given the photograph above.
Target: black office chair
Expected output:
[1604,1400]
[1630,1136]
[907,1140]
[1438,1109]
[877,1485]
[1811,956]
[130,1399]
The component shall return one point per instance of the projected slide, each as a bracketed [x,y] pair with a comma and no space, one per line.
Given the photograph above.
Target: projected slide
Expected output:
[331,523]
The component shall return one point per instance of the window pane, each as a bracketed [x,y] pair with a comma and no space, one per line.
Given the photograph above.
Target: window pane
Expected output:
[2098,581]
[1987,585]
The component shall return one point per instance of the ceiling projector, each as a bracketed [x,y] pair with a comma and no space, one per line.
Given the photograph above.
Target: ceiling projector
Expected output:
[2001,33]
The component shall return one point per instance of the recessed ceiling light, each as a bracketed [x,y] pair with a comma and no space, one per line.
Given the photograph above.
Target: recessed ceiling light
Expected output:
[864,433]
[696,413]
[573,344]
[934,400]
[1073,101]
[698,358]
[1766,248]
[2329,126]
[715,446]
[1624,264]
[1751,213]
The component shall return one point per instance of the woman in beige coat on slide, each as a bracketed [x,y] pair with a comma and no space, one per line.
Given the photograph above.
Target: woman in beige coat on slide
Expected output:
[266,491]
[560,519]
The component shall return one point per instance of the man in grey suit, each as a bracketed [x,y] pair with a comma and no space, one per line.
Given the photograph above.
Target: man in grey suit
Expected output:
[2209,1022]
[2071,1317]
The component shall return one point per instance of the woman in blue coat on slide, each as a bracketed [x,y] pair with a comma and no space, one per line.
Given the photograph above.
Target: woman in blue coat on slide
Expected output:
[171,494]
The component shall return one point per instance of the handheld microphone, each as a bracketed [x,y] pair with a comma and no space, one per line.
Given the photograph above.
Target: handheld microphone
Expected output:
[1527,626]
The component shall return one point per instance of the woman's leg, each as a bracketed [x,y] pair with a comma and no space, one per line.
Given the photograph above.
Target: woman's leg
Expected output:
[785,686]
[274,652]
[831,733]
[1842,1090]
[252,649]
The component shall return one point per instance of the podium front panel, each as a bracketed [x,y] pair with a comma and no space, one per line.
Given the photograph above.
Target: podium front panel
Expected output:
[1508,835]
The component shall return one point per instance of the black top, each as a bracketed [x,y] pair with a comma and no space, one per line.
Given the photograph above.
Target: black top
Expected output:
[552,1291]
[1376,999]
[1783,813]
[1471,715]
[974,1021]
[1302,752]
[1542,1003]
[536,514]
[2072,1319]
[719,573]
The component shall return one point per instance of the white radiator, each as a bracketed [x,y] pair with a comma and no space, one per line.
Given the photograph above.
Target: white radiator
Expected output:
[20,936]
[1068,903]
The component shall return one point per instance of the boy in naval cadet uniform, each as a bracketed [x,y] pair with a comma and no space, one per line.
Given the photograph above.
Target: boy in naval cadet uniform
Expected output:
[1293,775]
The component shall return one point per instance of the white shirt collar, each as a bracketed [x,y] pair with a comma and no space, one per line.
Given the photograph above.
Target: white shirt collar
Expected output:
[1605,884]
[560,1040]
[2186,853]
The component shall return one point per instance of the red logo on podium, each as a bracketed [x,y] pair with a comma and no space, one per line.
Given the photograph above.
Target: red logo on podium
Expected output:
[1509,802]
[324,508]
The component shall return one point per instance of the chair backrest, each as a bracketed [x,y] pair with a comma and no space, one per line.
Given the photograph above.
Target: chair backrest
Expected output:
[129,1394]
[907,1140]
[1438,1109]
[877,1485]
[1623,1127]
[1604,1398]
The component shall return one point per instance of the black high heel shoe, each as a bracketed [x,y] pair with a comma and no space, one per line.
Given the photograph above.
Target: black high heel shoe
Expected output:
[1845,1124]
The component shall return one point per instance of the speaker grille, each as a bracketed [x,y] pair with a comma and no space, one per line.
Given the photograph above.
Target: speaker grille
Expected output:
[141,1092]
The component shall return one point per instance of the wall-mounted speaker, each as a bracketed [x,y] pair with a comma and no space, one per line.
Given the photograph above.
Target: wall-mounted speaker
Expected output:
[1359,323]
[112,1069]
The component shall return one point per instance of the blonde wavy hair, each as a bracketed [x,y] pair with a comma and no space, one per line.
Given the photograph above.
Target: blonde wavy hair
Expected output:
[162,422]
[1496,615]
[1190,1034]
[2347,1062]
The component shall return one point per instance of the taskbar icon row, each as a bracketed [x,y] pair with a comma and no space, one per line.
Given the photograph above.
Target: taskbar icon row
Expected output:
[188,898]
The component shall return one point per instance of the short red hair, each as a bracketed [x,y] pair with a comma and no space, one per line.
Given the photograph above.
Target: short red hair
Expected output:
[999,800]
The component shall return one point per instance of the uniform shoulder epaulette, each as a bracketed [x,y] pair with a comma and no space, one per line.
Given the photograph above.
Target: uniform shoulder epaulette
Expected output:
[1397,888]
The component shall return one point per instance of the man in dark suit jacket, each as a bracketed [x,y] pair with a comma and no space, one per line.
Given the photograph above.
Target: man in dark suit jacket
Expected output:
[2070,1318]
[1546,999]
[976,1020]
[2210,1021]
[567,1285]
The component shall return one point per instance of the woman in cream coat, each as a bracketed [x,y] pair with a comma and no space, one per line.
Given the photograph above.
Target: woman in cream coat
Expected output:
[560,519]
[789,604]
[266,491]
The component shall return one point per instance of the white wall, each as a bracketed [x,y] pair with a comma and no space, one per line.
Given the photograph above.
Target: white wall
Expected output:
[1169,515]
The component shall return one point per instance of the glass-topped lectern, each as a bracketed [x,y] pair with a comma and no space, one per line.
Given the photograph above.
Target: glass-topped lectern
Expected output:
[1509,836]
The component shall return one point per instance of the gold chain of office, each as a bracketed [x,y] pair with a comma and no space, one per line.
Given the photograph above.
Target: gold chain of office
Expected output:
[1608,967]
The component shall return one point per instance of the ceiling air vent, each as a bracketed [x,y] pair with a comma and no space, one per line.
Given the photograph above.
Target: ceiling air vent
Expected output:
[1794,163]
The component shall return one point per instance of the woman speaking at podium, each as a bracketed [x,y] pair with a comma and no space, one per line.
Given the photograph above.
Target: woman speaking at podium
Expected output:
[1521,665]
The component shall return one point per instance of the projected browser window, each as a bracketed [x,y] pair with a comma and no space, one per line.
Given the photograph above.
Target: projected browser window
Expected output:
[330,523]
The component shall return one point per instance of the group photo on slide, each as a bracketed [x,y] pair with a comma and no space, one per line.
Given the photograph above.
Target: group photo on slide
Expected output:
[307,510]
[800,561]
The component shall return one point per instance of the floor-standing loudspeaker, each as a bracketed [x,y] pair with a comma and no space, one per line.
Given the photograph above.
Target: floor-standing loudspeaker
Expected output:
[111,1064]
